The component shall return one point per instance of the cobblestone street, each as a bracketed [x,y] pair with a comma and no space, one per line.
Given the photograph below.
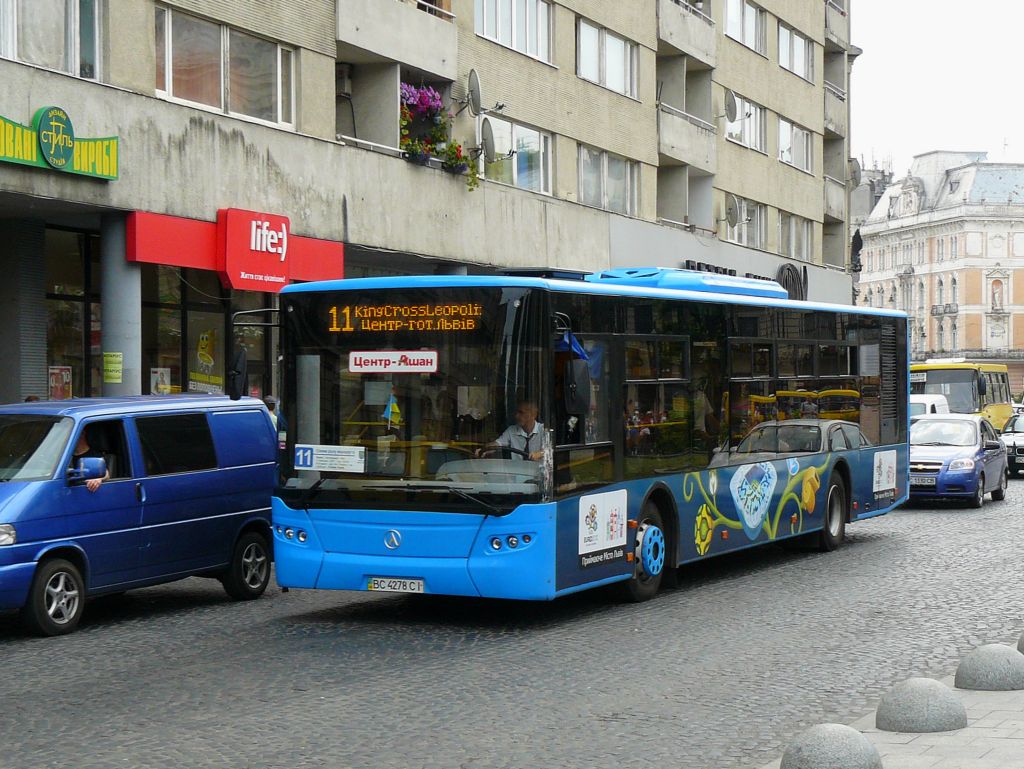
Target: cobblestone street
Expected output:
[719,673]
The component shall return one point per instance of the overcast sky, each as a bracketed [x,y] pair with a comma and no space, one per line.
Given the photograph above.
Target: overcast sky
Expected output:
[937,75]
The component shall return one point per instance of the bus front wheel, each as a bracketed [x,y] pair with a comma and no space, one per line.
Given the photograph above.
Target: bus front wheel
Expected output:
[650,556]
[834,530]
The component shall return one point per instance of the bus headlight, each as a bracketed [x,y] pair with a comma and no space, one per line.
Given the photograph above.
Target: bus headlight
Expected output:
[8,536]
[965,463]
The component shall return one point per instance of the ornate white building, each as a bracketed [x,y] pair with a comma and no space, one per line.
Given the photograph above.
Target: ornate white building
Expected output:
[946,244]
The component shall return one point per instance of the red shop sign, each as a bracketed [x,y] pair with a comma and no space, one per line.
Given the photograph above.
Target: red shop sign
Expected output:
[250,250]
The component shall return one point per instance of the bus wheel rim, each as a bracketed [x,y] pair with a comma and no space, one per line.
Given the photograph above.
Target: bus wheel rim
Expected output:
[651,550]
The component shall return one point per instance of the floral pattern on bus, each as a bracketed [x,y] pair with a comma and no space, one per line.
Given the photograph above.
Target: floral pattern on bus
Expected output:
[751,493]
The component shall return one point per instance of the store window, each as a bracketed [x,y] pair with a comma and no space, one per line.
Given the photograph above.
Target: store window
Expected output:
[71,264]
[57,34]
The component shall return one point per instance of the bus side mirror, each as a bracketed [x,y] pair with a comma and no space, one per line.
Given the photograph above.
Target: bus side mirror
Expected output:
[238,375]
[982,385]
[577,387]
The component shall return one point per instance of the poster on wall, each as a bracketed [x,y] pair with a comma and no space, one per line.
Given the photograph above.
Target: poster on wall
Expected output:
[206,353]
[60,383]
[160,381]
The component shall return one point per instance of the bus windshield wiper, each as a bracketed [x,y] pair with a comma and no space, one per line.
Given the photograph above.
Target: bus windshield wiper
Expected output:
[312,491]
[492,509]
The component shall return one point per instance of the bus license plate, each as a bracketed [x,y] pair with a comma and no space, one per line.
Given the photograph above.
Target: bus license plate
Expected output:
[394,585]
[921,480]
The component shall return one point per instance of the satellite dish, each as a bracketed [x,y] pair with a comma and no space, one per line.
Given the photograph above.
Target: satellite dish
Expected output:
[732,109]
[855,172]
[732,211]
[487,141]
[473,96]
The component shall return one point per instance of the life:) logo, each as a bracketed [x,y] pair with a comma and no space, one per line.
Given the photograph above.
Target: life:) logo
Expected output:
[269,241]
[56,136]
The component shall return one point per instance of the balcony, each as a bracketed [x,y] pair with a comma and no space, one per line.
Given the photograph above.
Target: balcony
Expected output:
[835,110]
[837,25]
[835,200]
[950,308]
[686,139]
[684,29]
[936,309]
[415,33]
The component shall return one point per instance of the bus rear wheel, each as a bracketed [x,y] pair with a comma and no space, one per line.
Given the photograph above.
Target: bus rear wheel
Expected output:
[834,531]
[650,556]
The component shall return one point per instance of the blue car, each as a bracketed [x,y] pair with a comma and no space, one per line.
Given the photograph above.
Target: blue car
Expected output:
[956,456]
[103,495]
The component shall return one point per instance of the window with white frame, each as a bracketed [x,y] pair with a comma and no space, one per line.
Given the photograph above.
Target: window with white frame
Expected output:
[953,247]
[524,25]
[750,224]
[745,23]
[795,145]
[748,128]
[940,245]
[794,236]
[796,52]
[206,63]
[524,156]
[605,58]
[57,34]
[608,181]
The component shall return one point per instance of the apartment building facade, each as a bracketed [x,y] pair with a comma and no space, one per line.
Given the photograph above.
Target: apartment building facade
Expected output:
[189,157]
[946,244]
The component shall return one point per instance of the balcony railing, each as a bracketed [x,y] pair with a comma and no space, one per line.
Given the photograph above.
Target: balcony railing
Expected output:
[442,8]
[949,308]
[688,117]
[695,11]
[835,90]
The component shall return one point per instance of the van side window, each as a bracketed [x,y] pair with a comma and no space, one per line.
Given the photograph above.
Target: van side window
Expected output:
[243,438]
[106,438]
[178,443]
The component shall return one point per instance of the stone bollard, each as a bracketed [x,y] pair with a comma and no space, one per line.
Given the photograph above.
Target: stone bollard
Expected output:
[920,705]
[831,746]
[991,668]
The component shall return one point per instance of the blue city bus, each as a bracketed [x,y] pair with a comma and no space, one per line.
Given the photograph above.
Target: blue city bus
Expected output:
[531,436]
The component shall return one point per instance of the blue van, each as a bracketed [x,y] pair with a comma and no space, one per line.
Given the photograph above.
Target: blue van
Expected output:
[104,495]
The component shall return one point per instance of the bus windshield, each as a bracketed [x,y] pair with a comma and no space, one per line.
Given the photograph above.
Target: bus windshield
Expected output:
[958,385]
[420,397]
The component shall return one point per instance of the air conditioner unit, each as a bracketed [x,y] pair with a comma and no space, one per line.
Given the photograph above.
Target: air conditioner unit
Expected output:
[343,79]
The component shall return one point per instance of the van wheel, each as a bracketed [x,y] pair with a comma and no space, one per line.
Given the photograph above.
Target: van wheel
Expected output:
[55,600]
[249,572]
[650,559]
[999,494]
[834,531]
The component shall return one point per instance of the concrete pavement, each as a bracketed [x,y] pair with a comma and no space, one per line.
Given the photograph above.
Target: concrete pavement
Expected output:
[993,739]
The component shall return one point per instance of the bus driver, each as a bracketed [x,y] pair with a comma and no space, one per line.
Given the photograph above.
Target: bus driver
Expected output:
[525,436]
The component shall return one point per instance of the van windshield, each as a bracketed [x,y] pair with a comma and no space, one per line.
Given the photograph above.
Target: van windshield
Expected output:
[31,445]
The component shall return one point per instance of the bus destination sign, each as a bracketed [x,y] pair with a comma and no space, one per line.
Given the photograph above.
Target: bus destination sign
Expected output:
[390,318]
